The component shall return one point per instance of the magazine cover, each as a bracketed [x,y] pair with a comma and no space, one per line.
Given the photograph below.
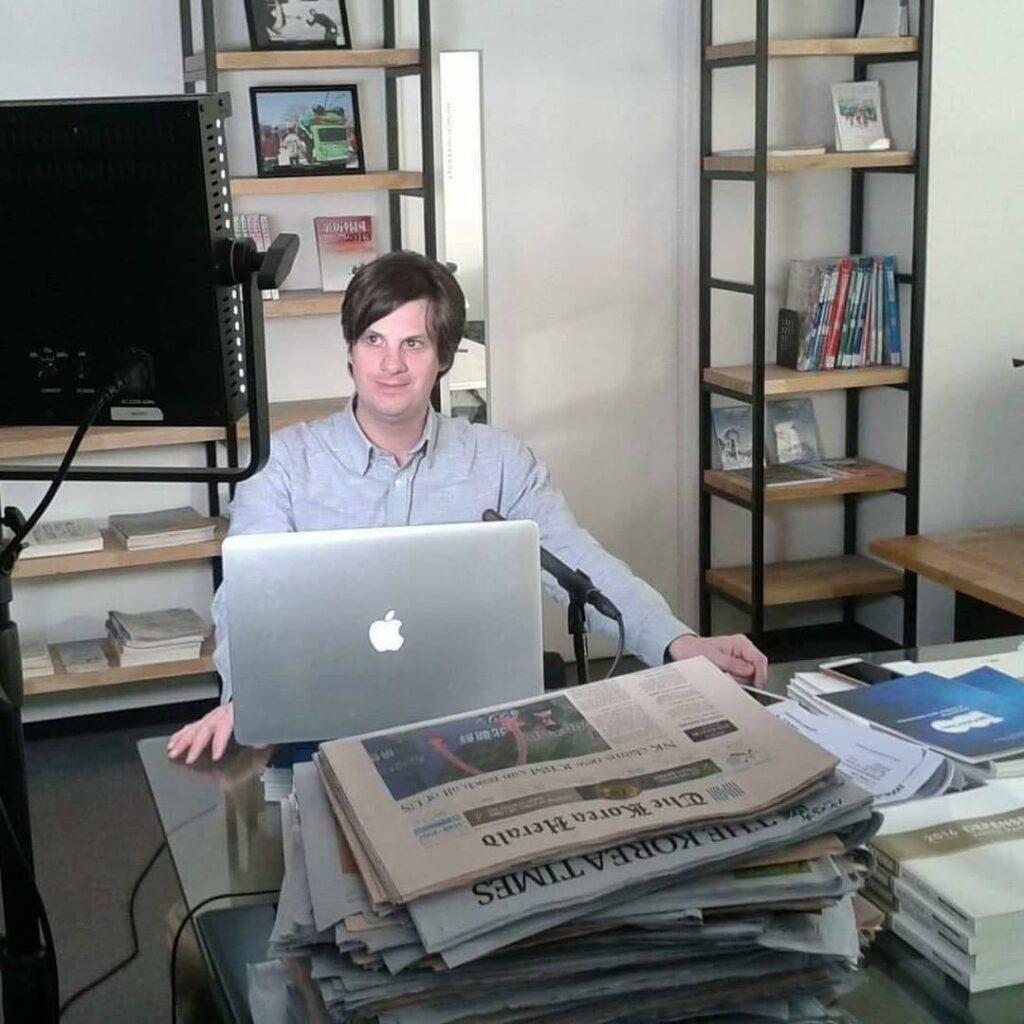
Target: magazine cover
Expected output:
[734,435]
[948,715]
[795,430]
[858,115]
[344,243]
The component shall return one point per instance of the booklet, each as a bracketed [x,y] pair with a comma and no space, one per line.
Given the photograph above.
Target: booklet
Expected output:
[954,716]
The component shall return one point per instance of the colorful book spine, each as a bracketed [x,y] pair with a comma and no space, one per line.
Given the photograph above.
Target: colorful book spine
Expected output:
[838,315]
[846,346]
[817,352]
[807,344]
[892,312]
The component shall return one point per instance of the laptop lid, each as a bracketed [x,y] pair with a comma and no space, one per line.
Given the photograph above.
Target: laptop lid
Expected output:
[338,632]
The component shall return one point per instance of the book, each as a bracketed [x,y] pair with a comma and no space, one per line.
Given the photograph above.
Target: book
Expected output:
[812,149]
[82,656]
[893,327]
[162,528]
[857,107]
[962,851]
[35,657]
[344,244]
[62,537]
[884,18]
[165,627]
[794,429]
[785,474]
[849,467]
[952,716]
[734,434]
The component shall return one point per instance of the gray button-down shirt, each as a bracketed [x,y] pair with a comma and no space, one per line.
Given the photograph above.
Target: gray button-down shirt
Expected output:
[327,475]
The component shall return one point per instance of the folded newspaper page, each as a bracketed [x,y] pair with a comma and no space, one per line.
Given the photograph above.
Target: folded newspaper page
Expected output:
[437,804]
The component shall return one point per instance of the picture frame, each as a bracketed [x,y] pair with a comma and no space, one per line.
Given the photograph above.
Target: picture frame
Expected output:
[300,130]
[298,25]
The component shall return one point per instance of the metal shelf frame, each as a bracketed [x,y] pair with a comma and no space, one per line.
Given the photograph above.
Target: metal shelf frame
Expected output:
[760,60]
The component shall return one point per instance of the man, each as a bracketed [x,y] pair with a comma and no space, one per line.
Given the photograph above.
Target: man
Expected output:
[390,460]
[329,26]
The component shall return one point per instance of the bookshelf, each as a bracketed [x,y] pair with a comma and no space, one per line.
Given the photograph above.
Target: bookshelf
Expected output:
[304,302]
[850,574]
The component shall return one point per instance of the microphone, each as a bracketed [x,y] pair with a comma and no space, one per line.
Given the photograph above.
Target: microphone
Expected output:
[578,584]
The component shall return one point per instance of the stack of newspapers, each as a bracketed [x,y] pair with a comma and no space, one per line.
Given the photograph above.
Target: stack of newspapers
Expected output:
[150,638]
[653,847]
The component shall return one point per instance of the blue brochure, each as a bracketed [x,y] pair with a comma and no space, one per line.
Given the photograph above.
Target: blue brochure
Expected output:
[977,717]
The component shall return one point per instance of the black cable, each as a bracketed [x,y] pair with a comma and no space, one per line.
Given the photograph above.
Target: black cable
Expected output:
[107,395]
[40,908]
[618,652]
[135,937]
[181,928]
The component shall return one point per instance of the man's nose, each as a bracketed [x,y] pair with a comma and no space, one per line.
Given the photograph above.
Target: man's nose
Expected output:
[393,359]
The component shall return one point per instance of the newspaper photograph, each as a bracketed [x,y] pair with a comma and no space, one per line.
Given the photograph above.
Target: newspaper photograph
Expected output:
[436,804]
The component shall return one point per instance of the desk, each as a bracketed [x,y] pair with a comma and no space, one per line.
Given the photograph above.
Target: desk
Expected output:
[985,567]
[224,838]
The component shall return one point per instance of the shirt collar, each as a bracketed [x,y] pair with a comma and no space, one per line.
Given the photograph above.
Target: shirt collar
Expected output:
[357,450]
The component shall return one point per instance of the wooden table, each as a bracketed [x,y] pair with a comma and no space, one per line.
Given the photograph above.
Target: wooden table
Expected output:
[985,566]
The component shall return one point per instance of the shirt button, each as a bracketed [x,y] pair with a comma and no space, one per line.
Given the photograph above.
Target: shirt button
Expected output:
[400,482]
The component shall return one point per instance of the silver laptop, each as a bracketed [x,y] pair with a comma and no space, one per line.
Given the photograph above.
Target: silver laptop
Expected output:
[337,632]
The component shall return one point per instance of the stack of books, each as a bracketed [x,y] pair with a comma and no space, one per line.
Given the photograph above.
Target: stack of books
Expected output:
[950,875]
[652,848]
[163,528]
[82,656]
[849,312]
[35,658]
[149,638]
[62,537]
[257,227]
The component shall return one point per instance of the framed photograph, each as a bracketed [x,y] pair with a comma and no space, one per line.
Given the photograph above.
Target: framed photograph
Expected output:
[306,129]
[298,24]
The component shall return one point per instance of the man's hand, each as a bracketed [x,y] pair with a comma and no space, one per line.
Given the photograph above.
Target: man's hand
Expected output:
[213,730]
[733,654]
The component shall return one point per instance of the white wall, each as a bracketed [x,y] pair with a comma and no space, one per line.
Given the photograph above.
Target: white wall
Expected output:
[580,115]
[972,459]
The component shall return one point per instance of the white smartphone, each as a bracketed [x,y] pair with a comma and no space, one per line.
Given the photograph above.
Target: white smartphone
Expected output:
[859,672]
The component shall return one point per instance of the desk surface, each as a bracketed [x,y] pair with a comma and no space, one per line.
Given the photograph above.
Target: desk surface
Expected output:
[225,839]
[986,564]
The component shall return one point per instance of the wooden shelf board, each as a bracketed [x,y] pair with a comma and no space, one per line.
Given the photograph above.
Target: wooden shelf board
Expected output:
[843,47]
[816,579]
[115,556]
[299,60]
[781,380]
[62,682]
[723,482]
[811,161]
[29,442]
[308,302]
[373,181]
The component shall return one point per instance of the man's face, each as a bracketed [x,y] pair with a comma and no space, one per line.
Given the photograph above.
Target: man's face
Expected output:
[394,366]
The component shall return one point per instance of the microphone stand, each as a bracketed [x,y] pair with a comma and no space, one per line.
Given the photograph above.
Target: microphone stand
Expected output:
[577,623]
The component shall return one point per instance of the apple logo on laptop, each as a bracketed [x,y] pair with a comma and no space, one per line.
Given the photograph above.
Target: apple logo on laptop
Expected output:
[386,633]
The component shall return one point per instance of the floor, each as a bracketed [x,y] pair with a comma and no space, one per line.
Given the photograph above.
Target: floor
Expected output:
[94,830]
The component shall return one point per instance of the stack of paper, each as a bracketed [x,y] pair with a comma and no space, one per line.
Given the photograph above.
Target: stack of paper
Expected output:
[82,656]
[650,847]
[147,638]
[161,529]
[950,872]
[62,537]
[975,719]
[35,658]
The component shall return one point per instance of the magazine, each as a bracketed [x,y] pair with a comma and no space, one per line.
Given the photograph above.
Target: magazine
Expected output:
[734,435]
[344,244]
[857,107]
[795,430]
[570,771]
[62,537]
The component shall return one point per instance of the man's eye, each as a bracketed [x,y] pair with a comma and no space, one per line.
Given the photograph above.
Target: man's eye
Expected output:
[414,343]
[371,339]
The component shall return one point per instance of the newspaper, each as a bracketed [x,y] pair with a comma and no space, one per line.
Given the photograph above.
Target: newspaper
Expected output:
[437,804]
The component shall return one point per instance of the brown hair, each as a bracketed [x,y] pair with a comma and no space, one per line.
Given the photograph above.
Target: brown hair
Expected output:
[378,288]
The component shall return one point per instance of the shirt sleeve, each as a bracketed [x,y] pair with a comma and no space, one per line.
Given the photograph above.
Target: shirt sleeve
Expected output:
[649,623]
[262,504]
